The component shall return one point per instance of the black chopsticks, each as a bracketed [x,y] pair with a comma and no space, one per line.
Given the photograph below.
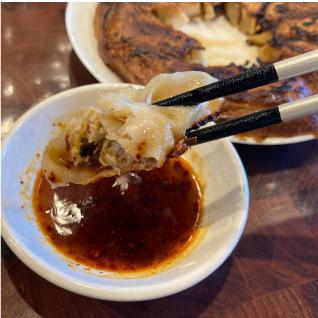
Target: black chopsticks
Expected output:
[301,64]
[298,65]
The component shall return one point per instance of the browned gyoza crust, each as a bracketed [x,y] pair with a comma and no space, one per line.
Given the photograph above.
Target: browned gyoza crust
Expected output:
[134,43]
[137,45]
[294,26]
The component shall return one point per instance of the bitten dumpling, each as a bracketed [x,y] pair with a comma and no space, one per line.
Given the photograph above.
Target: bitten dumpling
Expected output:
[124,132]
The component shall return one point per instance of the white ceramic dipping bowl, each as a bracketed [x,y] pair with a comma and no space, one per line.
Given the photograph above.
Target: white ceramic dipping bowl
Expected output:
[225,197]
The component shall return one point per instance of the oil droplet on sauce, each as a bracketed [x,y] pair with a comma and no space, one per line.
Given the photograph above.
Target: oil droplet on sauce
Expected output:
[64,214]
[105,227]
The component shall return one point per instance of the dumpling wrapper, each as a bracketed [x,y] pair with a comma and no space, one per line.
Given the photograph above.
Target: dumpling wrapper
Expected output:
[124,132]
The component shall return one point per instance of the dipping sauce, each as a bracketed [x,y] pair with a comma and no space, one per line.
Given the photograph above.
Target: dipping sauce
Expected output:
[105,227]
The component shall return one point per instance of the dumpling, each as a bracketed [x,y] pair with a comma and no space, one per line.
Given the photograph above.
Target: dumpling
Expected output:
[125,132]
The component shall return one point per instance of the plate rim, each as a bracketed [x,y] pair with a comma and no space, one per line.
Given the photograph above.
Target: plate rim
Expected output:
[69,11]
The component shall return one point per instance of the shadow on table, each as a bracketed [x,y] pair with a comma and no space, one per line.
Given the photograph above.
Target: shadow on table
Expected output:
[79,75]
[290,242]
[48,300]
[259,159]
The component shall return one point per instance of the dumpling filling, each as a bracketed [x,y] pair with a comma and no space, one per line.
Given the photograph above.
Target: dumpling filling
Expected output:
[124,132]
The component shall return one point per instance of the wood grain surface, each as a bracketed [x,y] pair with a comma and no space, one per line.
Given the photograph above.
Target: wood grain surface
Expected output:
[272,273]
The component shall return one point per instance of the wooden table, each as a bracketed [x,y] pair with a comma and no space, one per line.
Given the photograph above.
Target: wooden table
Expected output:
[273,271]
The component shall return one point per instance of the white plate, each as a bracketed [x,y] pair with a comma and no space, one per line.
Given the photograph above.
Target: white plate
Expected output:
[79,25]
[225,197]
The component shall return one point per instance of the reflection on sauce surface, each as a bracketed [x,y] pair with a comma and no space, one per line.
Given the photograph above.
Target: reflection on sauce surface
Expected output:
[104,227]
